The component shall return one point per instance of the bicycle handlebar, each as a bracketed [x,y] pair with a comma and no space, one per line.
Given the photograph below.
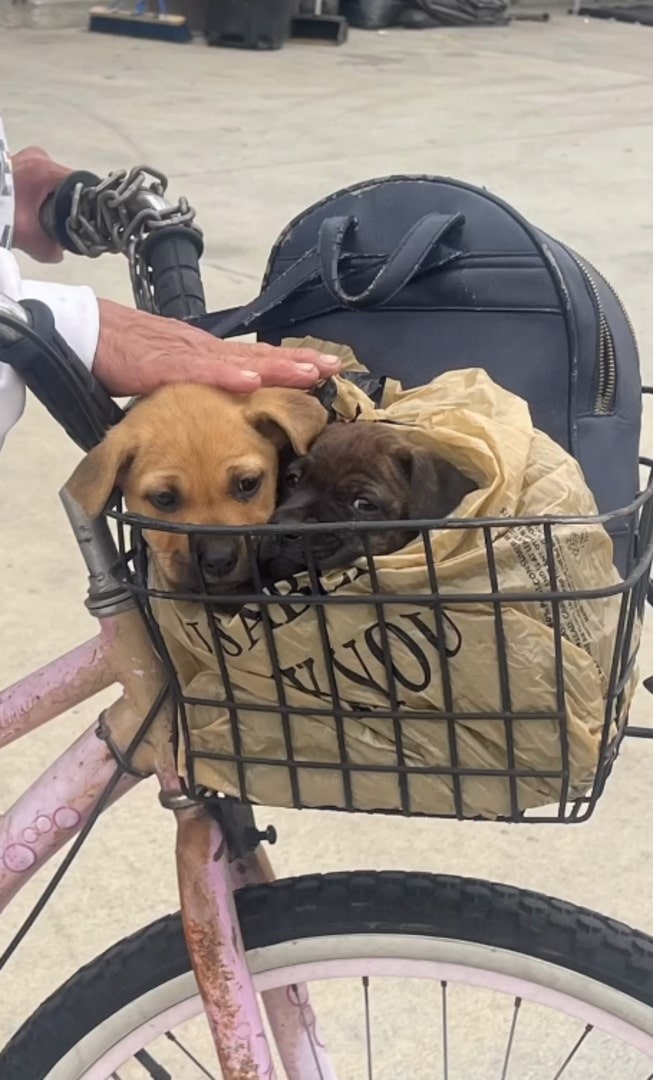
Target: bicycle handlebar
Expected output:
[56,209]
[174,258]
[169,255]
[29,341]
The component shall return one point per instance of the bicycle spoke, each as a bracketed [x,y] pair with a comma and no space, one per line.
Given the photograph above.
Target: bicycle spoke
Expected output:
[154,1070]
[191,1057]
[445,1039]
[573,1052]
[368,1027]
[308,1024]
[511,1038]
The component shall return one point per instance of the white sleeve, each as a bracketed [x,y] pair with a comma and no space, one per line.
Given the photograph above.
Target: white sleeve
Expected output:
[75,308]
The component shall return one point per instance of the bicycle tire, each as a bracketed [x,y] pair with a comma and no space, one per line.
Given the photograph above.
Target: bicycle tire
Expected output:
[572,939]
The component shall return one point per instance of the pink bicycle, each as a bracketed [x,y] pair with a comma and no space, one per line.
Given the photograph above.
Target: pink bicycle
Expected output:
[411,974]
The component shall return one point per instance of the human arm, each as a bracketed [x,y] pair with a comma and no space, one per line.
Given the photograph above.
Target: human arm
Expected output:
[131,352]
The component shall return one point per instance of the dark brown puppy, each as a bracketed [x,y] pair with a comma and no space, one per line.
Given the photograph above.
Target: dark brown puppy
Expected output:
[360,472]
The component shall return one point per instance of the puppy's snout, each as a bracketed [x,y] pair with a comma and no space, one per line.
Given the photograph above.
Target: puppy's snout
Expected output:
[288,518]
[218,557]
[294,515]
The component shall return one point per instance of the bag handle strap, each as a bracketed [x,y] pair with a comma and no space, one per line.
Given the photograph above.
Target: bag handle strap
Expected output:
[324,262]
[404,262]
[243,320]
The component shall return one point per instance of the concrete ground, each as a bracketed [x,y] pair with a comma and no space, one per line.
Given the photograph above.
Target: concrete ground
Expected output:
[556,118]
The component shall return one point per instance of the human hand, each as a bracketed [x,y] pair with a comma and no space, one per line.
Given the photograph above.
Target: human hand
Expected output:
[138,352]
[36,176]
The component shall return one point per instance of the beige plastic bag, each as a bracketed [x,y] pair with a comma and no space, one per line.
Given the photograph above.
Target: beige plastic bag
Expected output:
[487,432]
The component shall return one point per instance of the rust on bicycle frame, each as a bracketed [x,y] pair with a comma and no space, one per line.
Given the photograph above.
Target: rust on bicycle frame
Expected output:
[216,948]
[292,1020]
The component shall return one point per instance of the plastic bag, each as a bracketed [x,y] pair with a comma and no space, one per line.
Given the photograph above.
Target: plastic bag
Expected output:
[487,432]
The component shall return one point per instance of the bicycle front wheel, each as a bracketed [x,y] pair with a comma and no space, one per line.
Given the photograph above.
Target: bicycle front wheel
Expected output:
[410,975]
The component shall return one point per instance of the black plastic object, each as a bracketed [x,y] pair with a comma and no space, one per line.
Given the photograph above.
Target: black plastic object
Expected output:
[467,12]
[416,19]
[162,28]
[59,379]
[249,24]
[56,209]
[173,255]
[627,13]
[329,28]
[371,14]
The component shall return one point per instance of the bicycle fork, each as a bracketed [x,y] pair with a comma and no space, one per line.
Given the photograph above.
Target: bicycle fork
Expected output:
[207,881]
[209,869]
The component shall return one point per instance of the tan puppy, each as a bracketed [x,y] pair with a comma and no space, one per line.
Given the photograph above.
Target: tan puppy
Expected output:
[200,456]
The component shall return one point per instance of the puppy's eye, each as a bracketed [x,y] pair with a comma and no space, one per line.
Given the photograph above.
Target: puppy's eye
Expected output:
[167,501]
[291,479]
[365,506]
[248,485]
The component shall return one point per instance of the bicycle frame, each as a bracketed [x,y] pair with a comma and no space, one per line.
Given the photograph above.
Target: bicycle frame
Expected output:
[133,739]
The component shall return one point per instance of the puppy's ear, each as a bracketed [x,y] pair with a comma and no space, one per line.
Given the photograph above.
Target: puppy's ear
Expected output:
[436,487]
[287,416]
[99,472]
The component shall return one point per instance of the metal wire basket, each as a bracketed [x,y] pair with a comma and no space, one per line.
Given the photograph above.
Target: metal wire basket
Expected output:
[264,605]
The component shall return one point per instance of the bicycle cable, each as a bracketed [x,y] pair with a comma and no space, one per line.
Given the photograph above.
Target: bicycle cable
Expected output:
[99,807]
[63,384]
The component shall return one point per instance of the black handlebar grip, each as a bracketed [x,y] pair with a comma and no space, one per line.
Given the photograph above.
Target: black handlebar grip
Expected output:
[60,380]
[56,209]
[173,255]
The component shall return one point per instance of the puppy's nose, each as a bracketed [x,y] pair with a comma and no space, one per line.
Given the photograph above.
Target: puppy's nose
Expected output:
[218,557]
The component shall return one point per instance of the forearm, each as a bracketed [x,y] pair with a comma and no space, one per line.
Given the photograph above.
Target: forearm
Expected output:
[76,316]
[6,193]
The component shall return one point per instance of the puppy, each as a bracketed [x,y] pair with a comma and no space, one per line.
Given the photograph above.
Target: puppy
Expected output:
[197,455]
[365,471]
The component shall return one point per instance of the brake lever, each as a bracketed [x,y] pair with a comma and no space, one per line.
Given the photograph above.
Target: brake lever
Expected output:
[12,311]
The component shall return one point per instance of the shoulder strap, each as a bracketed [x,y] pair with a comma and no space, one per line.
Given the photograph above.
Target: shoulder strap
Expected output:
[243,320]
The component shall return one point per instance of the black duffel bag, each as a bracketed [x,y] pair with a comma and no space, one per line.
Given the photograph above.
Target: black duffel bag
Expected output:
[420,275]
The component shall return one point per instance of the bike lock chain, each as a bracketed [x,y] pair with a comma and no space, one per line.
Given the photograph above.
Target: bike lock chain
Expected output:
[119,214]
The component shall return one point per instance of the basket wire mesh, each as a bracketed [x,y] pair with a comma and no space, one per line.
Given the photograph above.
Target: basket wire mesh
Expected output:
[262,601]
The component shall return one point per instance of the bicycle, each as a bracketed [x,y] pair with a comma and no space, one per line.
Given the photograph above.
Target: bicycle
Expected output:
[245,947]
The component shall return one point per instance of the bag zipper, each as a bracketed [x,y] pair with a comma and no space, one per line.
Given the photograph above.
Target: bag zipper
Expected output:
[607,359]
